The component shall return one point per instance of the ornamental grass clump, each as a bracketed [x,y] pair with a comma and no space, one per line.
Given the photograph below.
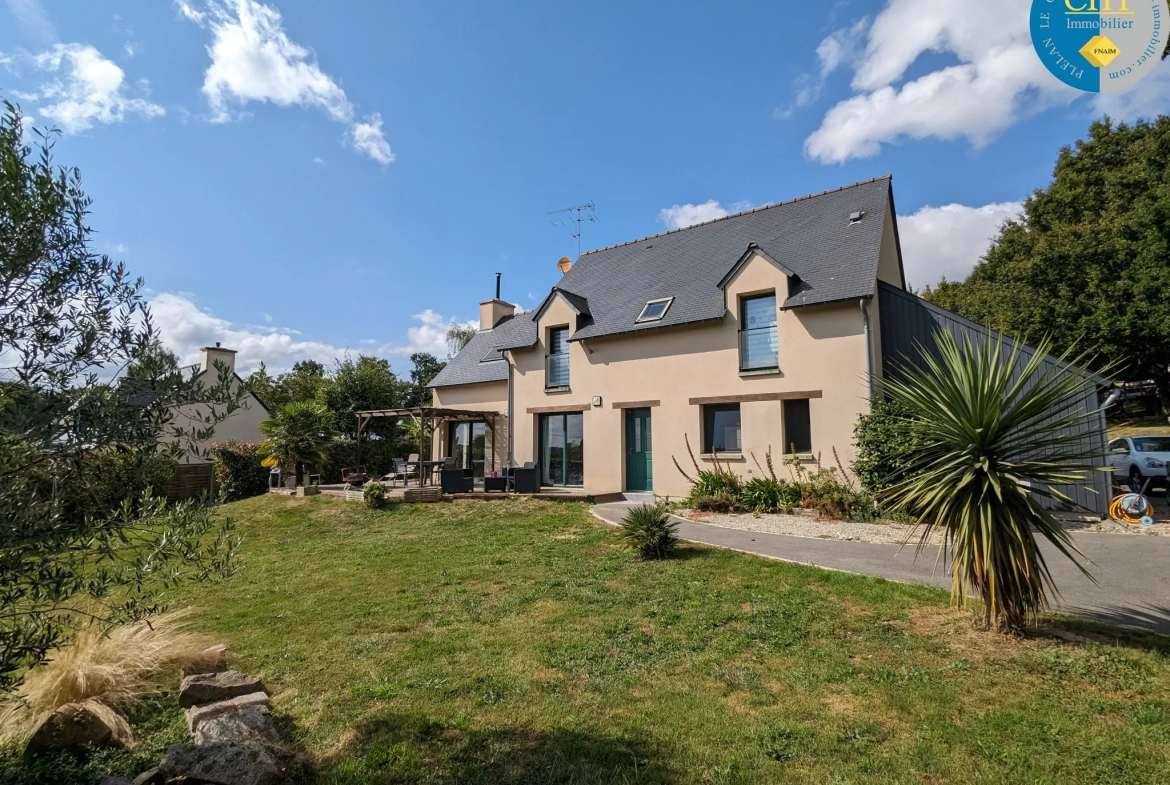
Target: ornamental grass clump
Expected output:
[999,433]
[649,530]
[712,490]
[107,671]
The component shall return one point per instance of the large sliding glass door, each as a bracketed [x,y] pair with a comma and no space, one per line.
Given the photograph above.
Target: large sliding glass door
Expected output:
[467,445]
[562,449]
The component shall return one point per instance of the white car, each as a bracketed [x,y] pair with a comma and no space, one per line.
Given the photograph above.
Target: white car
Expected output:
[1141,459]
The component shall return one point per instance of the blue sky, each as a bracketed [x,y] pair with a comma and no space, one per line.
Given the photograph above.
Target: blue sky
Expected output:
[299,178]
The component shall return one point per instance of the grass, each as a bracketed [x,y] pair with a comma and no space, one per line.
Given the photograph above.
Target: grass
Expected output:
[1150,426]
[517,642]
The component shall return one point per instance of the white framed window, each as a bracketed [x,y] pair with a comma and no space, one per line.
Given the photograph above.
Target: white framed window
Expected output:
[655,310]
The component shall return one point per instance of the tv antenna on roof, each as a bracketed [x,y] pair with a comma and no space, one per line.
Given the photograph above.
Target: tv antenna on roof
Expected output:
[574,217]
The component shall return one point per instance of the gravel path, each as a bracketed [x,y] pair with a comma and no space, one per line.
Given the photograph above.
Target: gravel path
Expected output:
[802,526]
[897,533]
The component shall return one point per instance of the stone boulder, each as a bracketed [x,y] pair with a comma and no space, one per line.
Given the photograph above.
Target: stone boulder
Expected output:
[201,688]
[244,718]
[231,763]
[150,777]
[212,660]
[73,726]
[115,781]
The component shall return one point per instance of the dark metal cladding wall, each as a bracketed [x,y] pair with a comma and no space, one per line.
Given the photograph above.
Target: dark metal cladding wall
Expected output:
[909,322]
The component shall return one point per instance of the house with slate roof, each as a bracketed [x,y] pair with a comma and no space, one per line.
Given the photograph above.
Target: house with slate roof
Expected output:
[756,331]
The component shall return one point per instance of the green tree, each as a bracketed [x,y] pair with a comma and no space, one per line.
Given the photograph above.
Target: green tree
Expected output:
[72,323]
[426,367]
[991,449]
[1089,260]
[305,382]
[361,385]
[458,336]
[299,434]
[263,386]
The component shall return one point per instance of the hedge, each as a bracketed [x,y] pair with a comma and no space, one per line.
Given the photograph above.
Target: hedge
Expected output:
[238,470]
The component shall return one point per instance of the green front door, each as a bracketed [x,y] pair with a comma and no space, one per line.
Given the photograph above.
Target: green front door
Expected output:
[639,463]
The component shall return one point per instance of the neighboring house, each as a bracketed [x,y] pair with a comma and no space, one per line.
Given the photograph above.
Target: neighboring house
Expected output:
[242,425]
[757,331]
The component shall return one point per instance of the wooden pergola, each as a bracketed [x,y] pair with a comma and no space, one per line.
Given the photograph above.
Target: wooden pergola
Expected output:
[428,419]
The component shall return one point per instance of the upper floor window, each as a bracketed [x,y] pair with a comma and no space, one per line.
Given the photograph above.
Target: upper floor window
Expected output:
[757,333]
[558,358]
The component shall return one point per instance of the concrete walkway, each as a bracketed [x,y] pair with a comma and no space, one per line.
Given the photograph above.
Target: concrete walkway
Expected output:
[1132,572]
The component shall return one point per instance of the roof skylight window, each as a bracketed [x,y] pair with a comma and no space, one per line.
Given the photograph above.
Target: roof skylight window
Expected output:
[655,310]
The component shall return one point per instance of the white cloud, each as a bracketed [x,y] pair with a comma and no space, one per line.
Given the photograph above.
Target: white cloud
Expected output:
[367,138]
[185,328]
[253,59]
[948,241]
[839,48]
[679,216]
[89,89]
[30,14]
[319,160]
[998,80]
[430,335]
[1148,98]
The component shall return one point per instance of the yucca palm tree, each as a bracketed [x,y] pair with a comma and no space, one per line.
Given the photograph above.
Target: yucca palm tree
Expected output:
[298,434]
[999,432]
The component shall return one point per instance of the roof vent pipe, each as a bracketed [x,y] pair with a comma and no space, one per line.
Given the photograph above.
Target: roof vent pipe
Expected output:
[497,286]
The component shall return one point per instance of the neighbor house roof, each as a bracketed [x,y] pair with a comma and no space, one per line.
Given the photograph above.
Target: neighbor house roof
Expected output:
[480,360]
[811,237]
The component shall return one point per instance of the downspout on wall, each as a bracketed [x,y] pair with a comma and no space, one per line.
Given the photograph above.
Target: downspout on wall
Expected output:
[868,347]
[508,359]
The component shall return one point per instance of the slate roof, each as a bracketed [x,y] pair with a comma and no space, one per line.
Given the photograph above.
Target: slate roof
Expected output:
[480,360]
[811,236]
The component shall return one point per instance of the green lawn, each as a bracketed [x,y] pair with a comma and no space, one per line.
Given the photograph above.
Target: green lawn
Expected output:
[515,642]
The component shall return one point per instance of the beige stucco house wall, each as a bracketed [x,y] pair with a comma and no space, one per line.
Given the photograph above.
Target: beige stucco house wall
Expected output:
[822,358]
[487,397]
[829,352]
[242,425]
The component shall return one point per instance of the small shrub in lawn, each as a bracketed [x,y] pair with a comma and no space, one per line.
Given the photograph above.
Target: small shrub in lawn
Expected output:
[649,530]
[374,495]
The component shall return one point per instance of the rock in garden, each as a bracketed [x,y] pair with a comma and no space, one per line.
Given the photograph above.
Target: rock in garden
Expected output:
[246,718]
[212,660]
[229,763]
[115,781]
[70,727]
[212,687]
[150,777]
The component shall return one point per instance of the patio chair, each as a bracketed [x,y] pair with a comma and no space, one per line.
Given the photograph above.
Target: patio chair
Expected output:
[397,472]
[412,464]
[448,463]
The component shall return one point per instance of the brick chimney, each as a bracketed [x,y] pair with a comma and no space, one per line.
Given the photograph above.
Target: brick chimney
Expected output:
[209,355]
